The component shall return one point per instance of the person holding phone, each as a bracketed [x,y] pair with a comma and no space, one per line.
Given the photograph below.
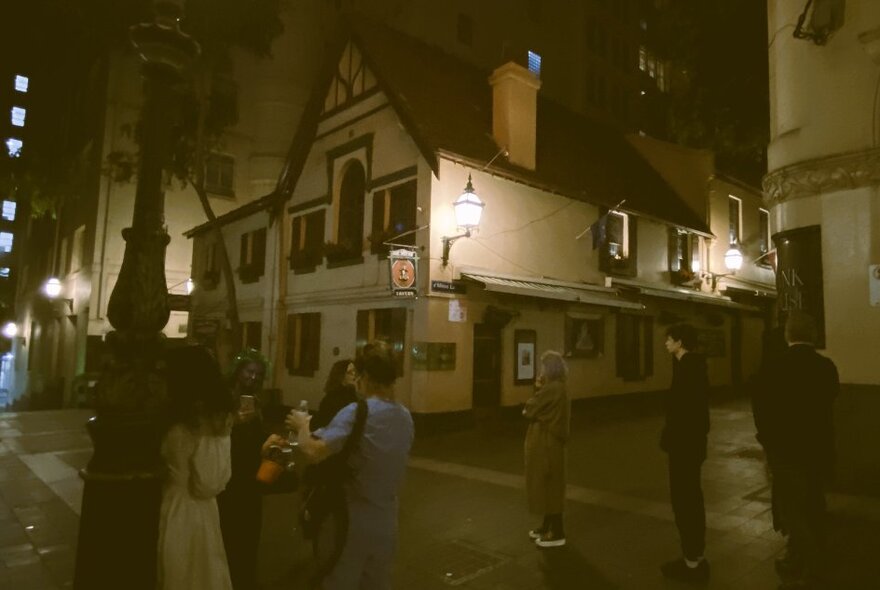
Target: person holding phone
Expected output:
[241,504]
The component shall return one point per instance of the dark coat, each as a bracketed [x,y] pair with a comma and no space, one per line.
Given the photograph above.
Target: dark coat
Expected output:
[687,408]
[549,416]
[795,417]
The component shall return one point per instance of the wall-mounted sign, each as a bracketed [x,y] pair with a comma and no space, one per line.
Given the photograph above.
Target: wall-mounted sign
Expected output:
[799,280]
[457,311]
[403,266]
[455,287]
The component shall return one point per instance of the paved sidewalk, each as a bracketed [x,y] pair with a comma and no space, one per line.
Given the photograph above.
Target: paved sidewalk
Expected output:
[463,521]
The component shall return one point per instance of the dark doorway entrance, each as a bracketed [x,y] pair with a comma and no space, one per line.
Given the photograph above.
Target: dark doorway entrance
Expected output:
[487,366]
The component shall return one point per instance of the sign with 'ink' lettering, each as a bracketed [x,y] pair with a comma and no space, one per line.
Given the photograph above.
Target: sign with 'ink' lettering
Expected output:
[799,275]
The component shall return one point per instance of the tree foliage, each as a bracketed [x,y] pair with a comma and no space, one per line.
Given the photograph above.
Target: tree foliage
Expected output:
[70,39]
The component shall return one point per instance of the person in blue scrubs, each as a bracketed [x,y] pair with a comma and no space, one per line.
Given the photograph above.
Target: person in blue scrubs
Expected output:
[377,463]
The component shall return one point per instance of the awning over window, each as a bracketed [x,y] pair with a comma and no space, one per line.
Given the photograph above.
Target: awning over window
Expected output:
[551,289]
[682,294]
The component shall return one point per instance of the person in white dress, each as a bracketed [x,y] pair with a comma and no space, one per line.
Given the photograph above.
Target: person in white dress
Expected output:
[195,450]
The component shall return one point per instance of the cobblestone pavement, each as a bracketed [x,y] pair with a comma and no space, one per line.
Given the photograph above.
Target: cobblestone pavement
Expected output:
[463,521]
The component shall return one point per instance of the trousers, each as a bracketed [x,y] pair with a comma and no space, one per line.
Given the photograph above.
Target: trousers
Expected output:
[686,493]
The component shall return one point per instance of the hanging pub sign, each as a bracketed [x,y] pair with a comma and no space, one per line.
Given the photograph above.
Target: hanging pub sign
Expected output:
[799,275]
[403,265]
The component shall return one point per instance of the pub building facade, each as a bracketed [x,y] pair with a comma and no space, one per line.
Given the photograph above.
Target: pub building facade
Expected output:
[586,241]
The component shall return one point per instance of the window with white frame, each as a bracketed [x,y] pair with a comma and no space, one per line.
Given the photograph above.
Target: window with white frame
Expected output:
[9,208]
[618,251]
[21,83]
[535,63]
[18,116]
[220,174]
[252,256]
[617,234]
[684,252]
[350,215]
[6,239]
[77,256]
[764,229]
[734,223]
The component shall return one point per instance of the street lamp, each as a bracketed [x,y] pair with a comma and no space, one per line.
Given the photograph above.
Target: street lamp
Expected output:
[10,330]
[119,519]
[733,261]
[52,290]
[468,209]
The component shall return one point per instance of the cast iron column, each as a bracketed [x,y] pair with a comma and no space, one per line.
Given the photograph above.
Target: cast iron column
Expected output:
[120,507]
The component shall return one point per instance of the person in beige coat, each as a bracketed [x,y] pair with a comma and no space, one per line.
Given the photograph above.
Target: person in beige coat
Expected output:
[548,412]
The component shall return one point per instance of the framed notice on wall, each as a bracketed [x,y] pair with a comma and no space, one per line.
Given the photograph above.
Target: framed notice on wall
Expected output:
[524,342]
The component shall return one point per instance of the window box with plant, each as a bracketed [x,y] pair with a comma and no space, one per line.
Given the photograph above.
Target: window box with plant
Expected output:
[342,253]
[377,240]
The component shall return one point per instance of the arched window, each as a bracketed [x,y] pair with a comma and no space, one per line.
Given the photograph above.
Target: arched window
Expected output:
[350,235]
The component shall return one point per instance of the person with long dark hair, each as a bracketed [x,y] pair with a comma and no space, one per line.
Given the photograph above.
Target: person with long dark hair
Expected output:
[241,504]
[382,432]
[196,454]
[339,391]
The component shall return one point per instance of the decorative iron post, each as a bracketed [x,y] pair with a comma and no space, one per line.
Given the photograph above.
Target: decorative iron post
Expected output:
[120,507]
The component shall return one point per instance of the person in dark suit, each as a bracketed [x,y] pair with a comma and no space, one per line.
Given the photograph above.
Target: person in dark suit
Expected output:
[796,428]
[684,440]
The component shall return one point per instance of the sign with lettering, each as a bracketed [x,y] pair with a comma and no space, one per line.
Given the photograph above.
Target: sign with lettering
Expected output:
[403,267]
[455,287]
[799,280]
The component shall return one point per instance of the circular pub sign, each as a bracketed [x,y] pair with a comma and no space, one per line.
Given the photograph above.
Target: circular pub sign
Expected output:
[403,274]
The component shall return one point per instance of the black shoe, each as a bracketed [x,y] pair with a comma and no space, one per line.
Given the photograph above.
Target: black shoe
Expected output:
[679,570]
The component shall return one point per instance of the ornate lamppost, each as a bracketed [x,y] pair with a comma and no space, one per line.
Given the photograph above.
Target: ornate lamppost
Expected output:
[120,507]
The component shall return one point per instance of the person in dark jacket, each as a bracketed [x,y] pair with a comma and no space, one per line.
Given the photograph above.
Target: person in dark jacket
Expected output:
[241,503]
[684,440]
[339,391]
[795,421]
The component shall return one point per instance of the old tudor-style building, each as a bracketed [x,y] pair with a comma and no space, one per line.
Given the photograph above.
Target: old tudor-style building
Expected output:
[394,133]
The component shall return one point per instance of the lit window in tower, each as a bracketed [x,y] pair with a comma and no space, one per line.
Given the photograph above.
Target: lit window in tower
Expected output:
[5,241]
[8,212]
[21,83]
[535,63]
[18,115]
[4,272]
[13,146]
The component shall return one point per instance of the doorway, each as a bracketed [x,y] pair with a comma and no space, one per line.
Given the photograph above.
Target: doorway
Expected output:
[487,366]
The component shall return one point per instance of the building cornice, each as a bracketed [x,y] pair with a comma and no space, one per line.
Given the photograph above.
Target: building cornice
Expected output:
[823,175]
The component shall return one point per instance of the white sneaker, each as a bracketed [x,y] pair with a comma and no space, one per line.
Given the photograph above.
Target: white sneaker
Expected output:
[549,541]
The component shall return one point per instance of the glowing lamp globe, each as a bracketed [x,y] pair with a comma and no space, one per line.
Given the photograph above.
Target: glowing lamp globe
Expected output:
[733,258]
[10,330]
[52,288]
[468,208]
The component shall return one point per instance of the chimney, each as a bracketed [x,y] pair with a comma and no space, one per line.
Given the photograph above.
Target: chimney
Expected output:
[514,112]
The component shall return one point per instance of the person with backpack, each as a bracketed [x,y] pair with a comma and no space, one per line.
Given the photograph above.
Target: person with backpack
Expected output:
[375,435]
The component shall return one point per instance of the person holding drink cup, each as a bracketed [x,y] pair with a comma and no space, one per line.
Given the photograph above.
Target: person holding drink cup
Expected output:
[241,504]
[376,464]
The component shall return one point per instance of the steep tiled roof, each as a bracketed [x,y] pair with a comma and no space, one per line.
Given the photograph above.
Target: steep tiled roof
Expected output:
[447,107]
